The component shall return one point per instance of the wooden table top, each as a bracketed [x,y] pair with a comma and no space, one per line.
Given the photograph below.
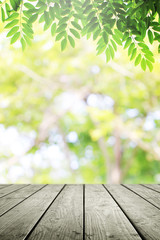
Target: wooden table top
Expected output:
[91,212]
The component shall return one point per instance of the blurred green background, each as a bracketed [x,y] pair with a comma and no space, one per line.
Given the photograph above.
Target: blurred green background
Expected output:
[70,117]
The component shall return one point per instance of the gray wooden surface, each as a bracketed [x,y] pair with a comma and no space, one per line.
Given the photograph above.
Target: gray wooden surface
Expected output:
[78,212]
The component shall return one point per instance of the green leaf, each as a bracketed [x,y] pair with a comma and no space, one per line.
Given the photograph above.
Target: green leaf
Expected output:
[149,57]
[63,44]
[12,31]
[96,34]
[130,49]
[143,64]
[125,36]
[12,16]
[108,56]
[12,23]
[71,40]
[28,5]
[15,4]
[105,37]
[111,51]
[41,19]
[117,39]
[61,28]
[15,37]
[7,7]
[28,33]
[159,48]
[76,25]
[150,36]
[53,29]
[2,14]
[46,17]
[75,33]
[138,59]
[150,65]
[114,45]
[29,29]
[143,45]
[133,55]
[28,41]
[51,12]
[128,42]
[88,9]
[23,43]
[92,27]
[33,18]
[60,35]
[101,49]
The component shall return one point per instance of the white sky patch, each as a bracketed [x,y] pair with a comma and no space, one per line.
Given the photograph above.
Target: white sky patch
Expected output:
[15,172]
[132,144]
[149,124]
[132,112]
[89,152]
[99,101]
[48,45]
[72,137]
[12,142]
[155,115]
[111,140]
[74,162]
[95,69]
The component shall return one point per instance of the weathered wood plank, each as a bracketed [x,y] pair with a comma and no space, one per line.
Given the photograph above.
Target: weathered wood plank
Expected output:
[19,221]
[154,187]
[147,193]
[64,219]
[104,218]
[4,185]
[144,216]
[15,198]
[10,189]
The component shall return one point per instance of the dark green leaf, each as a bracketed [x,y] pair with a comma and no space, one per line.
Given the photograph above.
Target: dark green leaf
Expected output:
[150,36]
[128,42]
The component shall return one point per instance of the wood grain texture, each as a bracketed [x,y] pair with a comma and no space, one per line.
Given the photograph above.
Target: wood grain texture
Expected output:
[7,190]
[18,222]
[55,212]
[147,193]
[64,219]
[4,185]
[104,219]
[144,216]
[154,187]
[9,201]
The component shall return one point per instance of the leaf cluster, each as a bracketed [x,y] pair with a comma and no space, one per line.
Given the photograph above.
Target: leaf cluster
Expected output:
[111,23]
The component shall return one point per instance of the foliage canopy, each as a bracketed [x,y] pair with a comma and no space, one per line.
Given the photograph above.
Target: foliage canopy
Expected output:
[111,23]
